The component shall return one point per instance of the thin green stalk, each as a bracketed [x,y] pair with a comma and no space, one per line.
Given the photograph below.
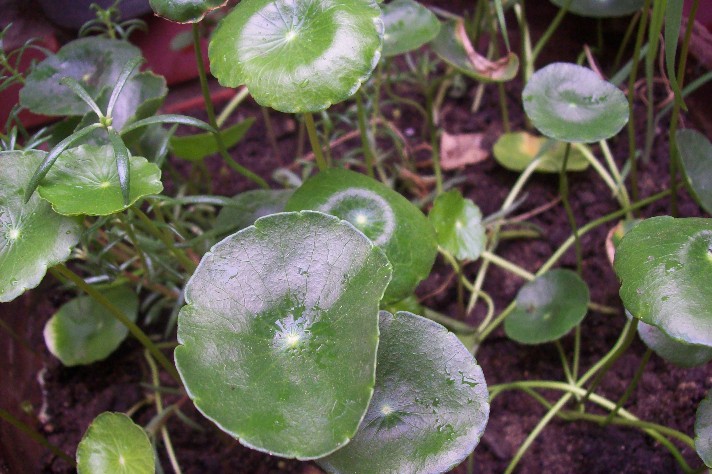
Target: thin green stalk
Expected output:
[179,254]
[61,271]
[565,363]
[35,435]
[620,185]
[507,265]
[564,193]
[365,142]
[270,133]
[210,110]
[549,32]
[314,140]
[626,38]
[674,153]
[503,107]
[577,352]
[434,145]
[236,100]
[631,387]
[378,81]
[656,25]
[526,48]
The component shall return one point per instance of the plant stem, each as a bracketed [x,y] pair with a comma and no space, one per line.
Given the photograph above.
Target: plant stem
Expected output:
[179,254]
[631,387]
[314,140]
[626,39]
[209,109]
[507,265]
[549,32]
[365,142]
[620,185]
[564,193]
[231,106]
[36,436]
[503,107]
[270,133]
[565,363]
[61,271]
[434,145]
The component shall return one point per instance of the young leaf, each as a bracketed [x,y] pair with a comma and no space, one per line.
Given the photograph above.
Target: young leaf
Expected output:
[84,180]
[601,8]
[142,95]
[696,159]
[458,225]
[408,25]
[430,406]
[198,146]
[703,430]
[123,166]
[516,150]
[664,265]
[185,11]
[383,215]
[121,82]
[279,333]
[82,332]
[298,55]
[32,236]
[572,104]
[548,307]
[251,205]
[95,63]
[454,47]
[167,118]
[113,443]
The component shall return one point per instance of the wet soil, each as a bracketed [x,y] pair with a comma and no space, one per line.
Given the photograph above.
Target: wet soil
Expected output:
[61,402]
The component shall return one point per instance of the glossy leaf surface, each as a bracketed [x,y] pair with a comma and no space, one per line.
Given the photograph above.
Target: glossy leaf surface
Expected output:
[430,406]
[84,180]
[113,443]
[572,104]
[409,25]
[383,215]
[601,8]
[665,265]
[32,236]
[185,11]
[516,150]
[454,47]
[201,145]
[82,331]
[696,159]
[458,225]
[250,206]
[676,352]
[548,307]
[298,55]
[279,334]
[703,430]
[95,62]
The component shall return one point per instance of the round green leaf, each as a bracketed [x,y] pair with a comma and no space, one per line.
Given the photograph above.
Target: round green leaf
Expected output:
[548,307]
[453,46]
[113,443]
[250,206]
[84,180]
[516,150]
[696,158]
[386,217]
[601,8]
[298,55]
[676,352]
[279,334]
[82,331]
[185,11]
[408,25]
[703,430]
[95,62]
[430,406]
[665,267]
[458,225]
[32,236]
[572,104]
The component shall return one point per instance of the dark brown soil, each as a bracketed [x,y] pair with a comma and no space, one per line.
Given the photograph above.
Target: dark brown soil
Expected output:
[61,402]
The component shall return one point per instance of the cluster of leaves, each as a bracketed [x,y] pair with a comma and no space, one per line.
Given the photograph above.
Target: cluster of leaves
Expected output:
[280,299]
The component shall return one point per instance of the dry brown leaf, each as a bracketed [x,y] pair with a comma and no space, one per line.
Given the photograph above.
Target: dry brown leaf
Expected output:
[458,151]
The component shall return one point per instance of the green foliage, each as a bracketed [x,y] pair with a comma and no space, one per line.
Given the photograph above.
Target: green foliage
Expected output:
[516,150]
[201,145]
[703,430]
[185,11]
[408,26]
[250,206]
[601,8]
[458,225]
[696,159]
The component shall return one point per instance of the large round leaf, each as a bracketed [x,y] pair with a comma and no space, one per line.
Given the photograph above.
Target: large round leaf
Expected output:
[32,236]
[572,104]
[95,62]
[84,180]
[250,206]
[430,406]
[279,334]
[82,331]
[113,443]
[386,217]
[665,268]
[696,158]
[703,430]
[458,225]
[185,11]
[409,25]
[298,55]
[601,8]
[548,307]
[676,352]
[516,150]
